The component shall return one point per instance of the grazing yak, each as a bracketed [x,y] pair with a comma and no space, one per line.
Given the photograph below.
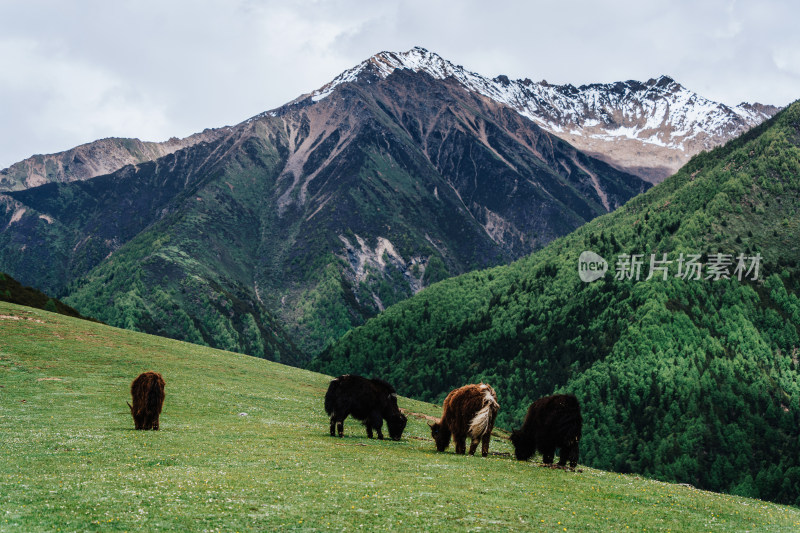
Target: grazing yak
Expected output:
[147,391]
[370,400]
[552,422]
[467,412]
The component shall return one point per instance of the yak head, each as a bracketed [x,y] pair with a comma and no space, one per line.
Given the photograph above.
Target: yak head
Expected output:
[524,445]
[441,435]
[396,424]
[395,419]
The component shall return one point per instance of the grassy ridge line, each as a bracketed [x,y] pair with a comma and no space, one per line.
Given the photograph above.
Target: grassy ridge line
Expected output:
[13,291]
[70,459]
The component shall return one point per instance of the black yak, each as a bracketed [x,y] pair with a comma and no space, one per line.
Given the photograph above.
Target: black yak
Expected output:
[370,400]
[147,392]
[552,422]
[468,411]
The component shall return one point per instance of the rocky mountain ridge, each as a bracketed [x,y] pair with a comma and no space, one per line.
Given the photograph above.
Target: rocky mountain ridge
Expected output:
[647,128]
[93,159]
[650,128]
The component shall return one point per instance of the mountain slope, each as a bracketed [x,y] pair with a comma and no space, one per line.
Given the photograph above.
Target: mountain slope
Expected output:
[92,159]
[649,128]
[244,446]
[681,379]
[310,218]
[157,258]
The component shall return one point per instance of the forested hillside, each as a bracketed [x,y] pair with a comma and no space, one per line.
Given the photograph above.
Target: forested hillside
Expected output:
[694,380]
[13,291]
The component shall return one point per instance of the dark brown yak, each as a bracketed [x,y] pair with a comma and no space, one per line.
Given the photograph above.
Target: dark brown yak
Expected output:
[369,400]
[552,422]
[147,391]
[467,412]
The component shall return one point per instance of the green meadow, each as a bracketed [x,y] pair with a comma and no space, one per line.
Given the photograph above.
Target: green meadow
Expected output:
[244,446]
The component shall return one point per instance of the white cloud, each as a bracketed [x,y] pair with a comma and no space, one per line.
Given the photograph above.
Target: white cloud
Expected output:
[787,60]
[58,102]
[153,69]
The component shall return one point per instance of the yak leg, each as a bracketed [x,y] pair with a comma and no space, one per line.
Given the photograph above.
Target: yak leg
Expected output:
[473,445]
[333,425]
[486,438]
[574,451]
[155,424]
[138,420]
[562,457]
[376,422]
[461,444]
[548,455]
[485,443]
[339,417]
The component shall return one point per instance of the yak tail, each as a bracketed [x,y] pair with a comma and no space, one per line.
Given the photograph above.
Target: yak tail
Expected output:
[330,396]
[485,417]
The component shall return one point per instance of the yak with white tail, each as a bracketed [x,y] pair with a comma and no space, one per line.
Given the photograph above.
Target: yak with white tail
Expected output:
[467,412]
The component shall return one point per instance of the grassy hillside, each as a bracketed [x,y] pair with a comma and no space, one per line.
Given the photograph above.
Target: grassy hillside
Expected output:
[680,379]
[70,459]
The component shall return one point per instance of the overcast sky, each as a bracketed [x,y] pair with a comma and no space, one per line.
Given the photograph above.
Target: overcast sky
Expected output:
[72,72]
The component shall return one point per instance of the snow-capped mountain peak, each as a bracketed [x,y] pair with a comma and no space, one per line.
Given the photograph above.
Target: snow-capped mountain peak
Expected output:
[651,127]
[383,64]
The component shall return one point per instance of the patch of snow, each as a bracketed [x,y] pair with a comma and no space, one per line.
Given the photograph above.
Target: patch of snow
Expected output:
[658,112]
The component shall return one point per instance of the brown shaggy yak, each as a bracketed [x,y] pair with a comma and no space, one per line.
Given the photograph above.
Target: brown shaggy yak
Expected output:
[147,392]
[467,412]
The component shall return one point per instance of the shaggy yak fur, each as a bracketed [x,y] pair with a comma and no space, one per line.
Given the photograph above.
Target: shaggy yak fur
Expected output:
[467,412]
[370,400]
[552,422]
[147,391]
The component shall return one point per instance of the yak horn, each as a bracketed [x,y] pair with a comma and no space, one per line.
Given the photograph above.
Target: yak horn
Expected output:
[129,405]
